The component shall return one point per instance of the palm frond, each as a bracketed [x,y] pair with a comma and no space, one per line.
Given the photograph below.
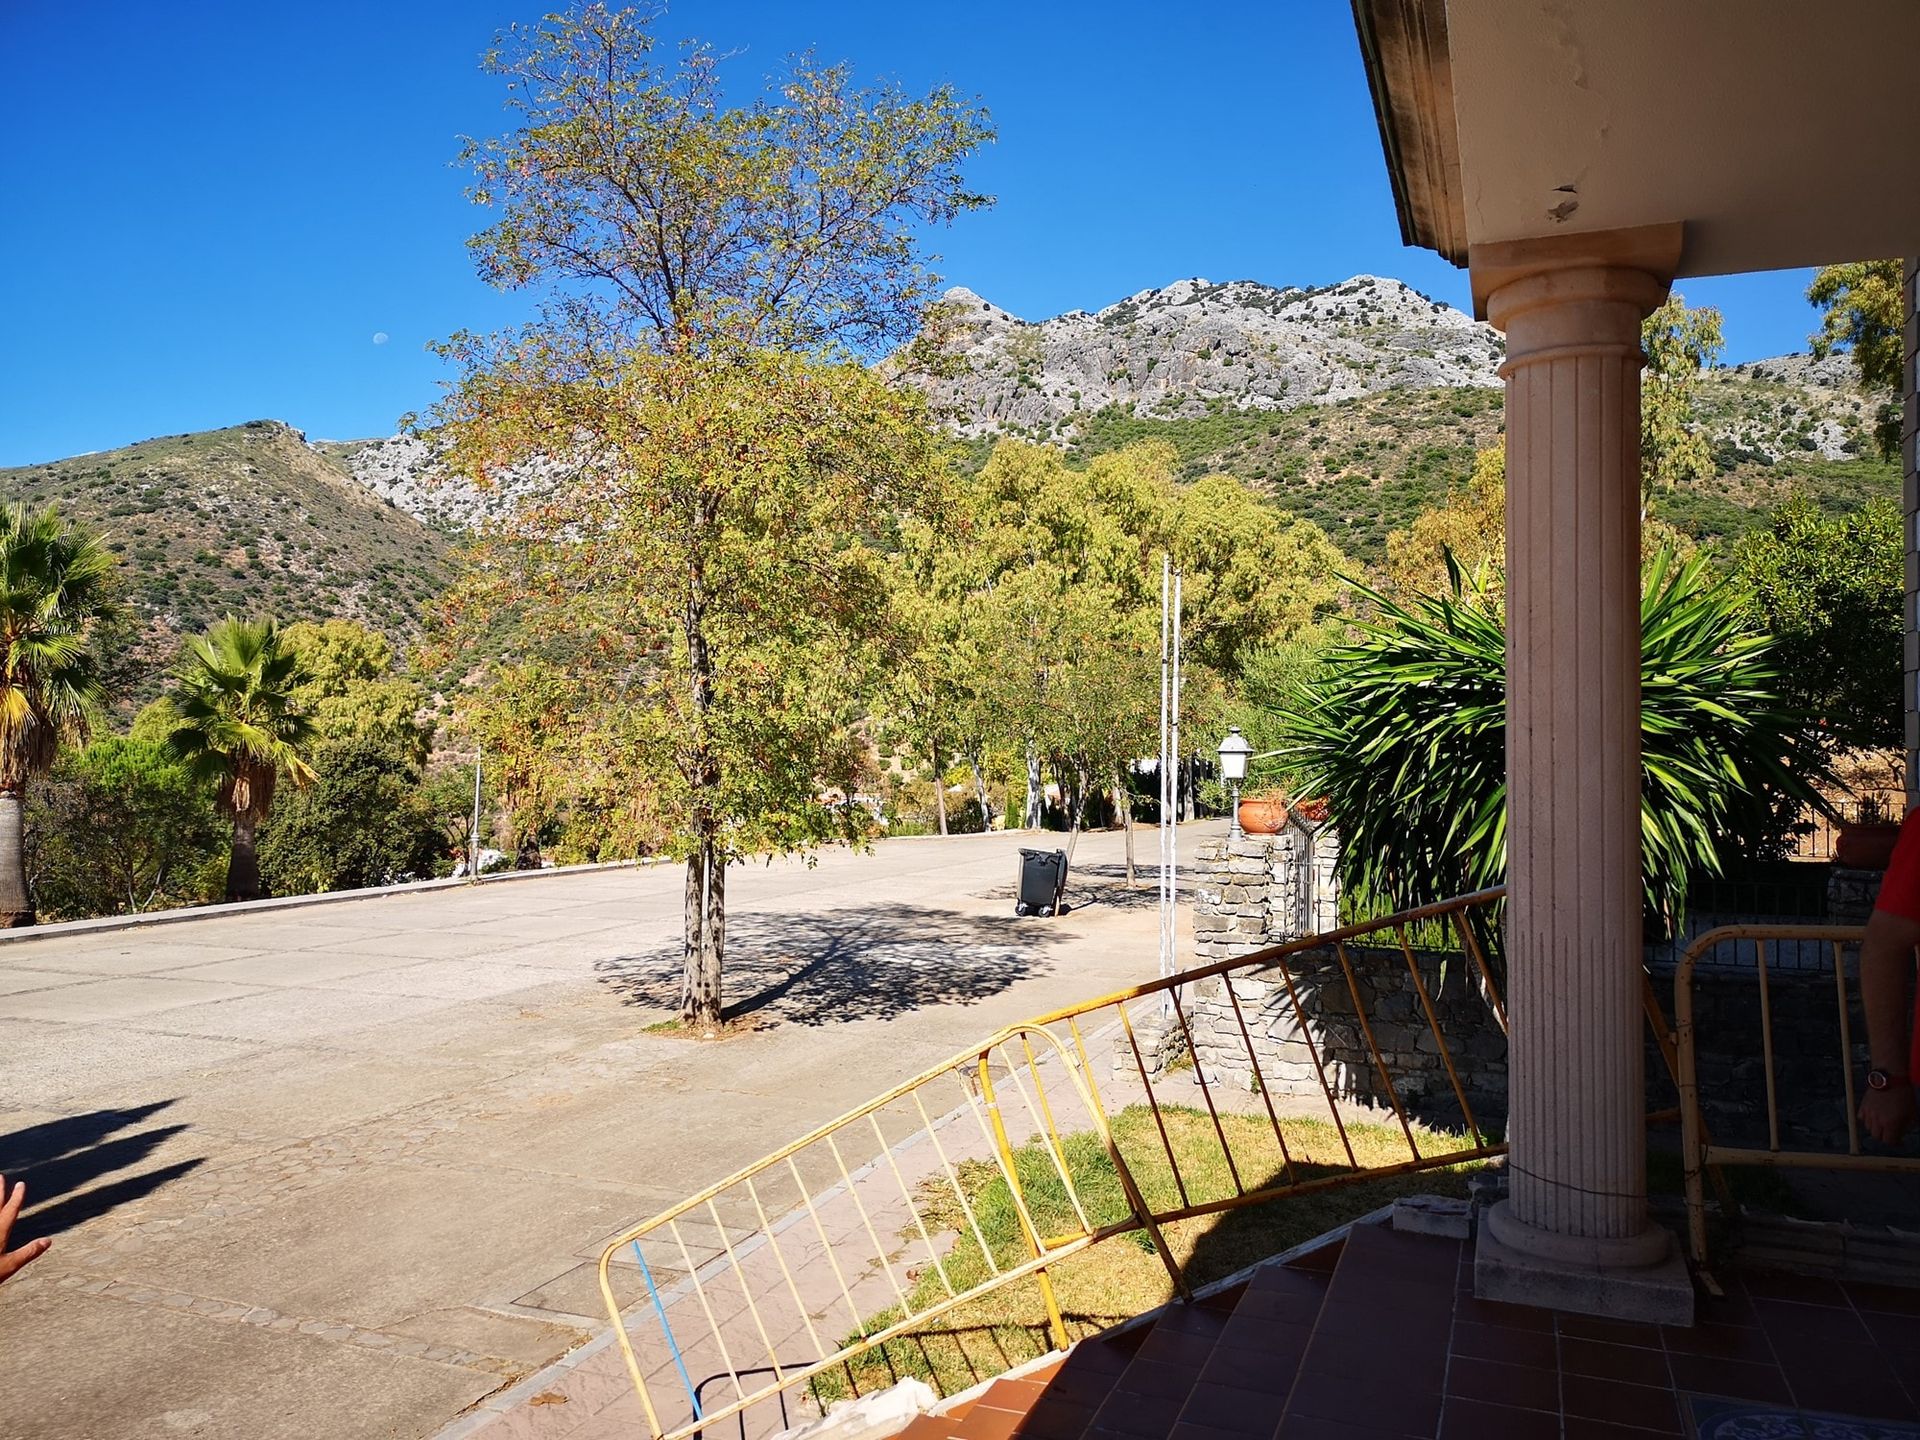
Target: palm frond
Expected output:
[1404,730]
[238,723]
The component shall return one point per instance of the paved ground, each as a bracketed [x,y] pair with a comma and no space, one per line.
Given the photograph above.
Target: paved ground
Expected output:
[343,1171]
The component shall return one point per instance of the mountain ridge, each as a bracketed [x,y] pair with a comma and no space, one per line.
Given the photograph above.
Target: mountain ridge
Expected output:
[1179,350]
[1355,405]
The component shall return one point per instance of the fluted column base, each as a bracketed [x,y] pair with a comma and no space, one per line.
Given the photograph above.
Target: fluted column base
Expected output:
[1657,1291]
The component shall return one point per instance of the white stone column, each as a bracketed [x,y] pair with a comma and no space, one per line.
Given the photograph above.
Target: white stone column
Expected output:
[1571,311]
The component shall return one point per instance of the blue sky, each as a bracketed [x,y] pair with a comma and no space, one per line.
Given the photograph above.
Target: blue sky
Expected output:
[216,207]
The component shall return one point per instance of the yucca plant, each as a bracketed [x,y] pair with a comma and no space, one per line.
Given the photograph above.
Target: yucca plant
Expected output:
[1404,730]
[239,728]
[55,579]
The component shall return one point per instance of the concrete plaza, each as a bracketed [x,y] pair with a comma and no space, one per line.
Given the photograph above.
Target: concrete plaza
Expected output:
[344,1170]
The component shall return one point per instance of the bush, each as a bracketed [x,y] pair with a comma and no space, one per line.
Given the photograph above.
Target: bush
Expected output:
[119,827]
[1830,589]
[360,823]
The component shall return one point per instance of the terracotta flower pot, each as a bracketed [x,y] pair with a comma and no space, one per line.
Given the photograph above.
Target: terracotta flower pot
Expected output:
[1865,846]
[1262,817]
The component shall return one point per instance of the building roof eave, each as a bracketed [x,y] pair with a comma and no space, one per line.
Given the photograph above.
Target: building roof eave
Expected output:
[1403,44]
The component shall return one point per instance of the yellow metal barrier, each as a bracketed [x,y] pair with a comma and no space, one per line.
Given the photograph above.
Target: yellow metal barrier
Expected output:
[1700,1152]
[798,1265]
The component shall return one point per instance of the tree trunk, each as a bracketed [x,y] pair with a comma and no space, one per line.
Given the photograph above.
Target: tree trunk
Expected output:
[692,934]
[980,794]
[706,936]
[243,863]
[1076,813]
[705,946]
[1123,802]
[1030,816]
[940,787]
[713,933]
[16,901]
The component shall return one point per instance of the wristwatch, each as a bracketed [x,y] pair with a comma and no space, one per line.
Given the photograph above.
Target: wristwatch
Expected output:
[1881,1080]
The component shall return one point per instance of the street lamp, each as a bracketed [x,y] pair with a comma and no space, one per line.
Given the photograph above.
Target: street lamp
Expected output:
[1234,754]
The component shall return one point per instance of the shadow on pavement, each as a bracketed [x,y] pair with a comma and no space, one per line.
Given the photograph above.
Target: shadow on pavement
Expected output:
[59,1159]
[1107,885]
[849,964]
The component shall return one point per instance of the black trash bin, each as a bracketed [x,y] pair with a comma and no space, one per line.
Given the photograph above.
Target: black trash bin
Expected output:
[1043,880]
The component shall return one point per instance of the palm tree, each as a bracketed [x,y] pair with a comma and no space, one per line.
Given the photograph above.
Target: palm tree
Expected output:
[54,583]
[238,728]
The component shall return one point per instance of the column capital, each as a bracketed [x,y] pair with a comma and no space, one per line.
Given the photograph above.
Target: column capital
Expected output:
[1650,250]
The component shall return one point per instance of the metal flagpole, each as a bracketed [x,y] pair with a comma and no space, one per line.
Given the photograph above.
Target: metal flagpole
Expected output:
[473,842]
[1174,780]
[1166,693]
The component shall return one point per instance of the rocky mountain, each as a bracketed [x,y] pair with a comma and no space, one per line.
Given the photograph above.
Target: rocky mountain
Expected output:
[248,520]
[402,471]
[1356,405]
[1368,356]
[1195,346]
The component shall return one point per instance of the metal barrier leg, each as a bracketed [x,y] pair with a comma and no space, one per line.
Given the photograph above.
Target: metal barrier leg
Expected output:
[1055,1324]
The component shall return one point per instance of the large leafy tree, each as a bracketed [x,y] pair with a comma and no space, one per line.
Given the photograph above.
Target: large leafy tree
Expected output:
[121,826]
[55,580]
[363,821]
[1830,589]
[239,727]
[354,688]
[1050,574]
[1404,729]
[1679,342]
[705,271]
[1471,528]
[1860,313]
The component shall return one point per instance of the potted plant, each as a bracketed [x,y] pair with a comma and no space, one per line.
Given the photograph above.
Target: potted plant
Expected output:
[1866,842]
[1263,812]
[1313,811]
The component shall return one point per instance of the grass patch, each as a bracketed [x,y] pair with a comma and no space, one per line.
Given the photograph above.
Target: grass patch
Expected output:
[674,1026]
[1122,1277]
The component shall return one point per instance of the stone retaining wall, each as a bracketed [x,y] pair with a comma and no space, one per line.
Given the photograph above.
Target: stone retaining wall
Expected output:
[1326,1014]
[1262,890]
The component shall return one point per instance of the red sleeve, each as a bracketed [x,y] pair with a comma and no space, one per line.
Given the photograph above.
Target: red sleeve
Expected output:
[1900,895]
[1900,887]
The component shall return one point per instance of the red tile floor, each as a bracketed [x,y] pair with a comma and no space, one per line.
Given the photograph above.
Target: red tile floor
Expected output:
[1381,1338]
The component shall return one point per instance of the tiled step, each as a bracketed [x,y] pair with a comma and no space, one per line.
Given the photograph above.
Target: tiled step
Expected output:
[1231,1357]
[1390,1305]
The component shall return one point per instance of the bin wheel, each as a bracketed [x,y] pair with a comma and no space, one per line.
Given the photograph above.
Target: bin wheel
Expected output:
[1020,908]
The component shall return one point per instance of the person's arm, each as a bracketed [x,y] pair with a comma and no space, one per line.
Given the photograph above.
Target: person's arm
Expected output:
[1886,965]
[12,1263]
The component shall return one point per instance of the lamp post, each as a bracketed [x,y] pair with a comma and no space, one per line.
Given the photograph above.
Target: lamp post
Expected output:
[1234,754]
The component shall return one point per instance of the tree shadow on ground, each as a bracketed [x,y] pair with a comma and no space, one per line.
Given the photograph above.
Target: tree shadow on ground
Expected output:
[871,963]
[1107,885]
[1104,885]
[60,1159]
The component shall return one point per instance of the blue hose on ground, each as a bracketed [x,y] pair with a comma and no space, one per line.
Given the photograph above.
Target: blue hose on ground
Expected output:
[653,1293]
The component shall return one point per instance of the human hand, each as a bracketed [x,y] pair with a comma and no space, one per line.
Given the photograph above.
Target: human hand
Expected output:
[1888,1114]
[11,1262]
